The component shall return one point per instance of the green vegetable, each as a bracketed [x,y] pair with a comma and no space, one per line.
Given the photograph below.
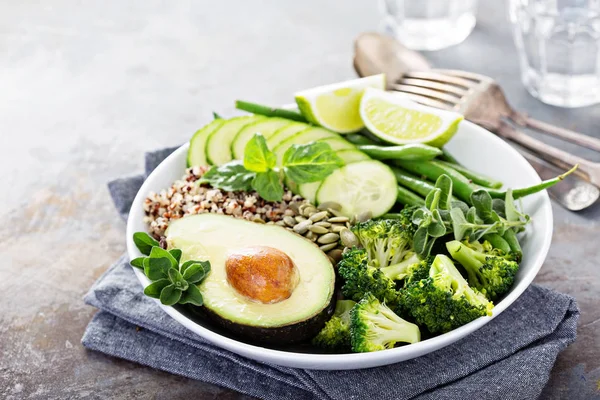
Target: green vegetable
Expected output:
[313,162]
[444,300]
[374,326]
[387,241]
[475,177]
[401,152]
[522,192]
[409,198]
[360,277]
[216,116]
[302,164]
[400,270]
[269,111]
[487,269]
[335,336]
[360,139]
[412,182]
[171,283]
[447,156]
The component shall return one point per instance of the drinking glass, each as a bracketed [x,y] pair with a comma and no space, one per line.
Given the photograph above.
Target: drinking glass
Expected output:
[429,24]
[558,42]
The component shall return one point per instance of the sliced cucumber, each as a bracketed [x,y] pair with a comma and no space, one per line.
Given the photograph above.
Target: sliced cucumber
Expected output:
[352,155]
[339,144]
[197,151]
[309,191]
[359,187]
[218,145]
[265,127]
[285,133]
[305,136]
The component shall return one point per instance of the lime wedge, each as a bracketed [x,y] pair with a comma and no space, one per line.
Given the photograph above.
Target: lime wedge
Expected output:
[336,106]
[396,119]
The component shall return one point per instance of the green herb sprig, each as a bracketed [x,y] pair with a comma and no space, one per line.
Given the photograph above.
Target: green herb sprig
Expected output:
[443,215]
[258,171]
[172,283]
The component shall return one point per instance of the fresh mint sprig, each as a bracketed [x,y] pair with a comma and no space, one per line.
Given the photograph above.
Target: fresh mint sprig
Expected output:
[304,163]
[172,283]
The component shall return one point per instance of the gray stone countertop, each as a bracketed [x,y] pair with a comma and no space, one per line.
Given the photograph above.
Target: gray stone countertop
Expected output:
[87,87]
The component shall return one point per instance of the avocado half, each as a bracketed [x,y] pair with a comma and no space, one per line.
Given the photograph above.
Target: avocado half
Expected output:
[298,318]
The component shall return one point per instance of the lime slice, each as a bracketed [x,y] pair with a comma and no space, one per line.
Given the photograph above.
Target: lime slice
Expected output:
[396,119]
[336,106]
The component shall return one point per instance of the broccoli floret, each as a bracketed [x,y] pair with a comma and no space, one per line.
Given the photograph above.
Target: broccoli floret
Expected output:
[487,270]
[387,241]
[444,300]
[374,326]
[398,271]
[419,271]
[335,335]
[360,278]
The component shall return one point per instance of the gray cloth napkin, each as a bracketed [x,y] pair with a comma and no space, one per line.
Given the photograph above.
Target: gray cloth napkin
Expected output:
[509,358]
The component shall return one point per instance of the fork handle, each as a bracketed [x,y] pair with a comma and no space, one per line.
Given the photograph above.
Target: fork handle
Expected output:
[570,136]
[548,152]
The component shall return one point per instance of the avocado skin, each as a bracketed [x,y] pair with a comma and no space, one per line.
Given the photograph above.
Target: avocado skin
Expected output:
[295,333]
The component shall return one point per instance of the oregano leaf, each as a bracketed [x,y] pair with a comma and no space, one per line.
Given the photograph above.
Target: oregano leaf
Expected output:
[196,272]
[170,295]
[144,242]
[137,262]
[192,296]
[154,289]
[159,252]
[176,253]
[157,268]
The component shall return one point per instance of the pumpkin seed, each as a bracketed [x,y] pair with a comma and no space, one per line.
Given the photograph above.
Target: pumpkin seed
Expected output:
[327,247]
[364,216]
[299,218]
[337,228]
[324,224]
[329,204]
[329,238]
[280,223]
[302,227]
[348,238]
[308,211]
[336,254]
[318,216]
[311,236]
[319,230]
[289,221]
[338,219]
[258,219]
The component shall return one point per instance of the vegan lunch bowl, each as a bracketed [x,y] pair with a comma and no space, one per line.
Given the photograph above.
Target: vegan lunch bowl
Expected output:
[358,230]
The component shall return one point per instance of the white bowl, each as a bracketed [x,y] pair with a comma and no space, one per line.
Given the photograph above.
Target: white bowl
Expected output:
[476,148]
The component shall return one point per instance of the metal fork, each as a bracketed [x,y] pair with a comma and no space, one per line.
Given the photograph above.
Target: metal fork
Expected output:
[480,100]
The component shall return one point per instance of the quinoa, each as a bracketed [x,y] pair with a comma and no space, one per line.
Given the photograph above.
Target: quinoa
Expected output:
[186,197]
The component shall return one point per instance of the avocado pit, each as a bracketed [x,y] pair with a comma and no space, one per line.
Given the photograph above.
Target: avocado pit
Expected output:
[262,274]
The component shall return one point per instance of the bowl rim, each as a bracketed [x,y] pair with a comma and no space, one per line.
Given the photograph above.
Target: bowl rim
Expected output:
[349,360]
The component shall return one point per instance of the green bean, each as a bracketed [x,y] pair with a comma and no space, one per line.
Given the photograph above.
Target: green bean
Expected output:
[412,182]
[510,237]
[359,139]
[409,198]
[446,156]
[269,111]
[403,152]
[526,191]
[475,176]
[461,186]
[497,242]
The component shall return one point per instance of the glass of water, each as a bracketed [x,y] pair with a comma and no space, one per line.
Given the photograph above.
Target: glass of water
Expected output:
[559,49]
[429,24]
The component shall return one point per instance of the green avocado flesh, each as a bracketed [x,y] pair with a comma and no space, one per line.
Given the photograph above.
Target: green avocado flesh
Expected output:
[212,237]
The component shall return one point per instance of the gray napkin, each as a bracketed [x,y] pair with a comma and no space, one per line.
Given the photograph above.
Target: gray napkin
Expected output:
[509,358]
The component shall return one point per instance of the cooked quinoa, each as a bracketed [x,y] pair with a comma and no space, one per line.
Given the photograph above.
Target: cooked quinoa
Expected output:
[186,197]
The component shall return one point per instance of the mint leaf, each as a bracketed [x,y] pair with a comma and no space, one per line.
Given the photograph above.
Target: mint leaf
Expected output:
[197,271]
[154,289]
[231,177]
[310,162]
[157,268]
[137,262]
[144,242]
[170,295]
[268,186]
[159,252]
[192,296]
[257,156]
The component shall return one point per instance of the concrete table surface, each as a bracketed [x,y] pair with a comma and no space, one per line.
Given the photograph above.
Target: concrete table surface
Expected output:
[87,87]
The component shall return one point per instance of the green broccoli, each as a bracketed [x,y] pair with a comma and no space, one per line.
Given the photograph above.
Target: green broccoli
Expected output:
[398,271]
[487,269]
[335,336]
[444,300]
[360,277]
[419,271]
[373,327]
[387,241]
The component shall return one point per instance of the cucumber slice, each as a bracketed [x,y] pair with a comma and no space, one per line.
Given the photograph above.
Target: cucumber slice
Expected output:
[197,151]
[218,145]
[352,155]
[359,187]
[305,136]
[339,144]
[266,127]
[285,133]
[309,191]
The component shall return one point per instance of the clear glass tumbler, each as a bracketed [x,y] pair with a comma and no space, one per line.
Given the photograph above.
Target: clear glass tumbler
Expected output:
[429,24]
[559,49]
